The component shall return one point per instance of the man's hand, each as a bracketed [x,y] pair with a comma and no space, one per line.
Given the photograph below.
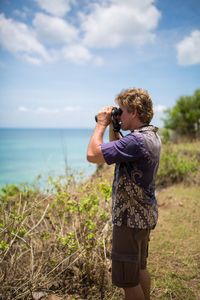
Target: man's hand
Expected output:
[104,116]
[94,153]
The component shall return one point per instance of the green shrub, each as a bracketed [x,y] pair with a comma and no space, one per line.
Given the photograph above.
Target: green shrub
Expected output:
[175,166]
[61,241]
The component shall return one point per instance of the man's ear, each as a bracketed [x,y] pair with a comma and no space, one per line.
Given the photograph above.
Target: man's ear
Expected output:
[134,113]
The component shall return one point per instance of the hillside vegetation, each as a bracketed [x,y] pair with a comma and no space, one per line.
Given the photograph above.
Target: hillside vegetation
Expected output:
[59,241]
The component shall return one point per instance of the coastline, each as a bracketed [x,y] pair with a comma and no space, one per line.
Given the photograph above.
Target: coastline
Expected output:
[30,153]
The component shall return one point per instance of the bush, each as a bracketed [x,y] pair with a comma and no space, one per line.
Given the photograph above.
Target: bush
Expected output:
[175,165]
[61,242]
[58,242]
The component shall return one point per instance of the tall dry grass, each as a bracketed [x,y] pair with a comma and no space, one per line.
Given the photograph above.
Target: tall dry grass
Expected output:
[60,241]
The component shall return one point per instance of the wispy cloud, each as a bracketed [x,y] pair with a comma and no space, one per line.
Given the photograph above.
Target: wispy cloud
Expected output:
[48,111]
[188,50]
[18,38]
[22,13]
[56,7]
[54,30]
[23,109]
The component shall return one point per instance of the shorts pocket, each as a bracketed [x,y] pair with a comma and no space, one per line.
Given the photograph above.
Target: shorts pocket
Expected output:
[125,270]
[131,273]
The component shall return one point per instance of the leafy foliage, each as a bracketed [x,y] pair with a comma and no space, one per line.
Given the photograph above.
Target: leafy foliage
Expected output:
[49,239]
[184,117]
[176,165]
[60,241]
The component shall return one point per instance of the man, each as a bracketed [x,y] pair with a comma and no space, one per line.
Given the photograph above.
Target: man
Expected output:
[134,206]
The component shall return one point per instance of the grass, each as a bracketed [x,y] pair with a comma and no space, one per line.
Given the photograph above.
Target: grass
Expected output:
[59,242]
[175,246]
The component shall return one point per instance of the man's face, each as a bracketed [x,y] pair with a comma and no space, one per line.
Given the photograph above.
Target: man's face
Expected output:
[126,118]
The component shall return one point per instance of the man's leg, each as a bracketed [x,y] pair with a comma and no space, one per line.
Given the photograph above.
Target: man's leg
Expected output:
[134,293]
[129,259]
[145,282]
[141,291]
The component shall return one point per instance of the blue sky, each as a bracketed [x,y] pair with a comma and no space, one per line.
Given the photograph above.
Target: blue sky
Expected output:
[62,60]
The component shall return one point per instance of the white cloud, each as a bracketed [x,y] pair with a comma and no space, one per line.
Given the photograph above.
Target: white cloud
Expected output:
[107,23]
[53,29]
[56,7]
[111,24]
[44,110]
[32,60]
[188,50]
[23,109]
[79,54]
[159,108]
[19,39]
[38,110]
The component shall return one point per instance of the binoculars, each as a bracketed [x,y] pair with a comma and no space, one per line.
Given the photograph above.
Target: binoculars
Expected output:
[116,112]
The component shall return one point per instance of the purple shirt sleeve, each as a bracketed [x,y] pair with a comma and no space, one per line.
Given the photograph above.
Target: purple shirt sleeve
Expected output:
[123,150]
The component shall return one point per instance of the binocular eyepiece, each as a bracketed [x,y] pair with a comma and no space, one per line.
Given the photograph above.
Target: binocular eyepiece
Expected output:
[116,112]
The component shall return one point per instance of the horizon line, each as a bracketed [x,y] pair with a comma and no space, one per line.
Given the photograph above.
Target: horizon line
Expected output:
[12,127]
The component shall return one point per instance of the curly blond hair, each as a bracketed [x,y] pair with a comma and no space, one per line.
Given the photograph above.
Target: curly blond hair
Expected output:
[137,99]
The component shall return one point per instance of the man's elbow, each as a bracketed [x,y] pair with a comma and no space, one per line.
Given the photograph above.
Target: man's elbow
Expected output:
[90,158]
[95,159]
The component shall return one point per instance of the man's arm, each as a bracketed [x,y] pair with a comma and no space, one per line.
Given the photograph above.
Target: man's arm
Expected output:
[94,153]
[113,135]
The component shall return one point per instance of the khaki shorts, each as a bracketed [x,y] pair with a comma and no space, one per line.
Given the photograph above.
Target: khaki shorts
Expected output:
[129,255]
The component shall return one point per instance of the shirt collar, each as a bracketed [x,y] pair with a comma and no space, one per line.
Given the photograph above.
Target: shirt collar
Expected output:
[146,127]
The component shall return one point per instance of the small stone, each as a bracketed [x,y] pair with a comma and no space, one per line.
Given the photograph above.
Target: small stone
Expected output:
[38,295]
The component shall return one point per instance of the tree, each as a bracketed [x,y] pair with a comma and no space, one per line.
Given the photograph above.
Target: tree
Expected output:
[184,117]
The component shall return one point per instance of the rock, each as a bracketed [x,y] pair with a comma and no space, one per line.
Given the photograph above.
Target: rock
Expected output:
[38,295]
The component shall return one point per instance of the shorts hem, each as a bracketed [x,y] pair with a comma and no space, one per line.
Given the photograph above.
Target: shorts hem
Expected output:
[125,285]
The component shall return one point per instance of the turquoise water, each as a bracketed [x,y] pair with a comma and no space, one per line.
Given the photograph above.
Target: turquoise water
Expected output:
[27,153]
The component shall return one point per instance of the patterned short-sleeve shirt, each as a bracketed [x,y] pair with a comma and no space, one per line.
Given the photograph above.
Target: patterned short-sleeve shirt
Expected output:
[136,157]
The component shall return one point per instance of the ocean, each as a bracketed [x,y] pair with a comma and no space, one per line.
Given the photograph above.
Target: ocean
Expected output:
[26,154]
